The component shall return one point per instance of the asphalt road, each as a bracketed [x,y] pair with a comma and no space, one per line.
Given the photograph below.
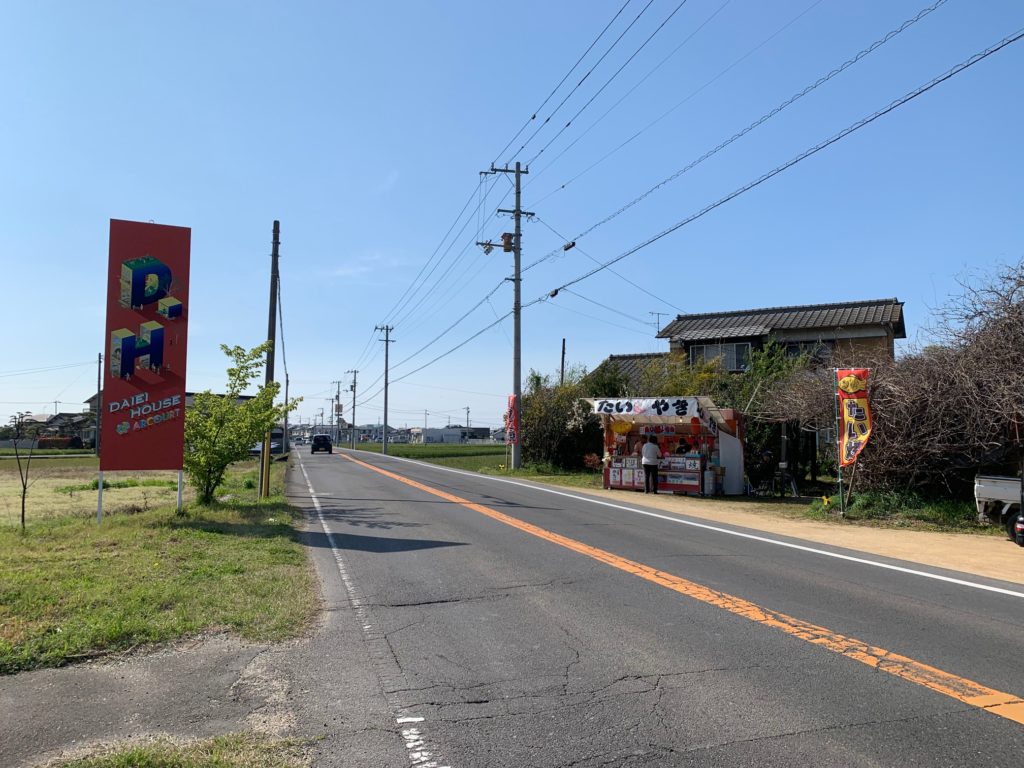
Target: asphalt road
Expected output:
[513,625]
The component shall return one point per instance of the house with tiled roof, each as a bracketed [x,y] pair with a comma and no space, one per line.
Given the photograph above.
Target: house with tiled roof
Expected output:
[856,331]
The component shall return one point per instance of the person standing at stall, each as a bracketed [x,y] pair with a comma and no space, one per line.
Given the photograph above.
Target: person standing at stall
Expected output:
[651,455]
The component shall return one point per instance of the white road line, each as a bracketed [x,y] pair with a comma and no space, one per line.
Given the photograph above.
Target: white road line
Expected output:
[727,531]
[414,741]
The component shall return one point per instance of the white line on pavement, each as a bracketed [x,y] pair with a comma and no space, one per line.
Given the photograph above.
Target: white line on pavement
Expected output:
[414,740]
[727,531]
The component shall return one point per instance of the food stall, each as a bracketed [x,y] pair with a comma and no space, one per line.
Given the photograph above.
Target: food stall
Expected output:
[700,444]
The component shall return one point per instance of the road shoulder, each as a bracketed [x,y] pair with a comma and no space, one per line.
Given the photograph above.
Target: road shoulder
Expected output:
[988,556]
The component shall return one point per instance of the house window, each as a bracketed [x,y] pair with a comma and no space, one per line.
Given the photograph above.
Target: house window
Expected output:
[735,357]
[818,351]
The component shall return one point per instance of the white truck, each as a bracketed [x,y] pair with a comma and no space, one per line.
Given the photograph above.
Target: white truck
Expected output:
[998,500]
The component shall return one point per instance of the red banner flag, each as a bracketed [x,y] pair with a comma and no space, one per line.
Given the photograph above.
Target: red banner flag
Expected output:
[854,412]
[143,403]
[512,422]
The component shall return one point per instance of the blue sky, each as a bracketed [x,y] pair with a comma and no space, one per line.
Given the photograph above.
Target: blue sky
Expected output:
[362,127]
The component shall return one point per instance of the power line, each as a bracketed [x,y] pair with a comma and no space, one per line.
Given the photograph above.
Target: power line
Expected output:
[628,93]
[617,274]
[579,295]
[597,318]
[421,279]
[582,80]
[398,320]
[607,82]
[1016,36]
[760,121]
[30,371]
[692,94]
[560,83]
[895,104]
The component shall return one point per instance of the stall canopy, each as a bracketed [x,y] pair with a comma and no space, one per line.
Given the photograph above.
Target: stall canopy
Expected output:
[662,410]
[669,417]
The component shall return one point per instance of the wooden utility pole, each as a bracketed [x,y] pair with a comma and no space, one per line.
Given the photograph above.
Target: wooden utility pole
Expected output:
[272,338]
[561,376]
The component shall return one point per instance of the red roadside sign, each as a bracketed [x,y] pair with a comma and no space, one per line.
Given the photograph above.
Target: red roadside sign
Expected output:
[143,404]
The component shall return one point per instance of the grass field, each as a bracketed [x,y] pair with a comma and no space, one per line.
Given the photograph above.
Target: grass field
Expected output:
[66,487]
[232,751]
[71,588]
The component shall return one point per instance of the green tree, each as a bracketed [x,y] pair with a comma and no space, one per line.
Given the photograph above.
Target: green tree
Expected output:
[21,429]
[558,427]
[219,429]
[607,380]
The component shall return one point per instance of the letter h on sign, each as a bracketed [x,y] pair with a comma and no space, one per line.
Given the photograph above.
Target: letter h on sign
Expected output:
[143,281]
[128,350]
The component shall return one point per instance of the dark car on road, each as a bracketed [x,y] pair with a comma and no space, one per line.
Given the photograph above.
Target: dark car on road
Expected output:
[321,443]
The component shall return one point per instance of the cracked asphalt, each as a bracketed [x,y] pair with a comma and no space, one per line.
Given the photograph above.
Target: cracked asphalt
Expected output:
[450,637]
[506,649]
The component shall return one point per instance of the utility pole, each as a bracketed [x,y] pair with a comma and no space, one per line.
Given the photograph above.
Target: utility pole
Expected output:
[514,243]
[467,417]
[387,342]
[337,409]
[272,338]
[561,376]
[352,387]
[425,414]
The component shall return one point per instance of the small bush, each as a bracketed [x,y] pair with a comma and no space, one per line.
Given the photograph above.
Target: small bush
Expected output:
[909,505]
[56,442]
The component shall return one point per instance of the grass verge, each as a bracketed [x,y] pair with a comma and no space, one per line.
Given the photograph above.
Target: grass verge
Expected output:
[231,751]
[71,589]
[905,509]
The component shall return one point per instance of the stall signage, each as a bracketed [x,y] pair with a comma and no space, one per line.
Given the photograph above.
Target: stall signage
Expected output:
[658,429]
[666,407]
[512,422]
[854,412]
[143,424]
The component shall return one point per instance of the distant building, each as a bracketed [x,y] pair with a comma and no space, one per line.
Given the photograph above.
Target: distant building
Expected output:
[855,332]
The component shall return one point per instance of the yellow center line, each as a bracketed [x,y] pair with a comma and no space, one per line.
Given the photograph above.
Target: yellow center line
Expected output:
[967,691]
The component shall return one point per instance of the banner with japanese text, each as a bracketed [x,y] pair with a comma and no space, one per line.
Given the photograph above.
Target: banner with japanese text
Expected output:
[143,402]
[512,422]
[854,412]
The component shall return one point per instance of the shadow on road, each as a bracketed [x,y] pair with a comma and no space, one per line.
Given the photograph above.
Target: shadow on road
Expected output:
[378,544]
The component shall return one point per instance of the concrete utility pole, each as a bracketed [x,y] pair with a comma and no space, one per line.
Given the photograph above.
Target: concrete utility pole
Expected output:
[387,342]
[514,244]
[337,409]
[352,388]
[467,417]
[272,338]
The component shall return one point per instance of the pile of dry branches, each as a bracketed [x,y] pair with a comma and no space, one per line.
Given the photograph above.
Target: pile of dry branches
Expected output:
[941,413]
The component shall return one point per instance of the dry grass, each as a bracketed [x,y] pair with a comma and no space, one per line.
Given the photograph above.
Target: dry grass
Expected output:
[49,496]
[232,751]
